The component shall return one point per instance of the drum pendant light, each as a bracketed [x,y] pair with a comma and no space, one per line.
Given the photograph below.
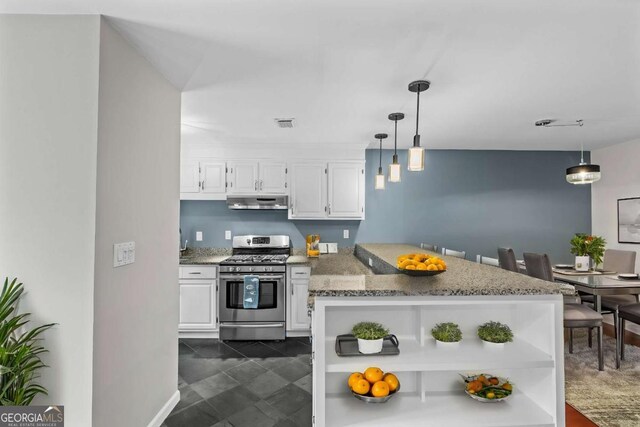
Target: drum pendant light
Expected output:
[379,183]
[584,173]
[416,153]
[394,167]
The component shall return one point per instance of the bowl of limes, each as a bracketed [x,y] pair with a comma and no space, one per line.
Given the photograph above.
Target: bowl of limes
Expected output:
[373,385]
[420,264]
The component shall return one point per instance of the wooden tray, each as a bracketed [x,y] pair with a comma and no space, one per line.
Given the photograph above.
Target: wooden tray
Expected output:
[347,346]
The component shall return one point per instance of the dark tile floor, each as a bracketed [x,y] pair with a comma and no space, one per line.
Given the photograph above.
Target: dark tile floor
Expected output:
[243,384]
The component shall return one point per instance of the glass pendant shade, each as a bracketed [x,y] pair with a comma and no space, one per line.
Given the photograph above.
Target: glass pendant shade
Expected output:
[416,159]
[583,174]
[394,170]
[380,180]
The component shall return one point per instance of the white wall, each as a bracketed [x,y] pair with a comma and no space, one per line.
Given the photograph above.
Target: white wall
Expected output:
[620,179]
[48,134]
[136,306]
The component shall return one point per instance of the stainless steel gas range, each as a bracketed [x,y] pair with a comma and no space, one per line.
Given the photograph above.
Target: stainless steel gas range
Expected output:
[264,257]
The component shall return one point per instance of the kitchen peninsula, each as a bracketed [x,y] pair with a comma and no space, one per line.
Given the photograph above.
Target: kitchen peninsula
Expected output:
[468,294]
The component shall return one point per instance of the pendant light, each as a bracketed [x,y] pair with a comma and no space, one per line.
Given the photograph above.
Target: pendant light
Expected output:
[584,173]
[379,185]
[416,153]
[394,167]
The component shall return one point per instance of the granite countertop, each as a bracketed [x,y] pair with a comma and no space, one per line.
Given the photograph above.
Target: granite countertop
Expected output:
[204,256]
[461,278]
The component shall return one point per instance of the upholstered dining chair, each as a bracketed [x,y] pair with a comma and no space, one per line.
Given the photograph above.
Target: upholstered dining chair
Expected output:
[481,259]
[451,252]
[575,315]
[507,259]
[630,312]
[428,247]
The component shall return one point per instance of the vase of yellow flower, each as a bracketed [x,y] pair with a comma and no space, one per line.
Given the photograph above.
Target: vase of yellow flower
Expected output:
[588,250]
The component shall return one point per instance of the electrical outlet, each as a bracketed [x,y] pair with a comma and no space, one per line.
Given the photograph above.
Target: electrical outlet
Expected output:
[345,234]
[227,235]
[198,236]
[124,253]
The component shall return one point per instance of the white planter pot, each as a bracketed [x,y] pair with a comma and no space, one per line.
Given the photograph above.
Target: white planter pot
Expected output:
[443,344]
[582,263]
[493,345]
[370,346]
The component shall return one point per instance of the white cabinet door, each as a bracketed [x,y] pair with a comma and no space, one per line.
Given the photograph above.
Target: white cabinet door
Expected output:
[213,176]
[273,177]
[190,176]
[243,177]
[197,305]
[299,319]
[346,190]
[308,191]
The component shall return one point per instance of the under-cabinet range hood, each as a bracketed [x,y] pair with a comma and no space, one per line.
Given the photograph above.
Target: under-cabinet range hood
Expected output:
[255,202]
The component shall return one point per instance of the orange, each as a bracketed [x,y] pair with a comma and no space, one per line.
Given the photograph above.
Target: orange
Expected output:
[373,374]
[410,267]
[380,389]
[421,266]
[361,386]
[392,382]
[355,377]
[431,267]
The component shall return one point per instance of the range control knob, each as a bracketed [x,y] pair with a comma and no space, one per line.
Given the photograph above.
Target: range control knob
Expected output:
[231,268]
[250,268]
[268,269]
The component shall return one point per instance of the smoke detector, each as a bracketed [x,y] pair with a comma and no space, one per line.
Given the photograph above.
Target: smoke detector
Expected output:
[285,123]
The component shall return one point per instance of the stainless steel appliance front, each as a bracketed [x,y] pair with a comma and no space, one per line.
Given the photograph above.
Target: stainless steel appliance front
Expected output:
[267,321]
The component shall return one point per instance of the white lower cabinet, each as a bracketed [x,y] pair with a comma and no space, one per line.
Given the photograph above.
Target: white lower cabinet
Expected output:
[198,298]
[298,286]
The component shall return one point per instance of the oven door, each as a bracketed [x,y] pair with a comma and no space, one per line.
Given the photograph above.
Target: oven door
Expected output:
[270,302]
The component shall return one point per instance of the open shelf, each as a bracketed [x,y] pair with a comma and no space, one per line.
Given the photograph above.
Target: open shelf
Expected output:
[469,355]
[443,409]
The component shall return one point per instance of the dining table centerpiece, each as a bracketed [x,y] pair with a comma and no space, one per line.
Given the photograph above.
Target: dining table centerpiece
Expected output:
[588,250]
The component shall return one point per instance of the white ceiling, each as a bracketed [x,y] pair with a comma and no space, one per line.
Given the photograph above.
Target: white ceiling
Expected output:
[341,66]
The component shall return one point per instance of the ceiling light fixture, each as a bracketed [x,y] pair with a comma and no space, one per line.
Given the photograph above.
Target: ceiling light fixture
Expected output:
[394,167]
[416,153]
[584,173]
[380,176]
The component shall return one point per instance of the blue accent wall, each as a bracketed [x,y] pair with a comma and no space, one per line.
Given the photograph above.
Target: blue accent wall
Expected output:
[466,200]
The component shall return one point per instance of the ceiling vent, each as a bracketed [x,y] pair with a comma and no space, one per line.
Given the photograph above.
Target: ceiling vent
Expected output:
[285,123]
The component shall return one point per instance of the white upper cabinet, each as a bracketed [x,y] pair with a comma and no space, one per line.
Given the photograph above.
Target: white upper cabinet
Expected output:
[243,177]
[213,177]
[202,179]
[190,177]
[308,190]
[273,177]
[346,190]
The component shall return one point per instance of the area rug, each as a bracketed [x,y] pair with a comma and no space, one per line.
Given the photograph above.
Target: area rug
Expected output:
[610,398]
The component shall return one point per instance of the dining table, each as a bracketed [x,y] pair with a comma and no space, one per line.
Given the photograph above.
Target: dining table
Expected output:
[598,284]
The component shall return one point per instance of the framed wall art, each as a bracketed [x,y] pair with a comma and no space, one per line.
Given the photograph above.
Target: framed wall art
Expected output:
[629,220]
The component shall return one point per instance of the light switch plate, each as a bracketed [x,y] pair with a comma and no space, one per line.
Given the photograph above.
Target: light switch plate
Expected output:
[345,234]
[227,235]
[198,236]
[124,253]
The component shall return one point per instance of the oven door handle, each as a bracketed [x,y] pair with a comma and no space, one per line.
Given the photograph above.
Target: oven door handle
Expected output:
[252,325]
[279,277]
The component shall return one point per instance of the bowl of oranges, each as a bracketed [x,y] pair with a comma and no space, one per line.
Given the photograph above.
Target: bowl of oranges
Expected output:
[373,385]
[421,264]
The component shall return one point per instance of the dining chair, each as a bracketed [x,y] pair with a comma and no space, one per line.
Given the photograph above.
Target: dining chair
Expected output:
[480,259]
[631,313]
[574,315]
[451,252]
[619,262]
[507,259]
[428,247]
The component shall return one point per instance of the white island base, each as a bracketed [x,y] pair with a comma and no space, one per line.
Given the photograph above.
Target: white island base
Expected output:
[431,388]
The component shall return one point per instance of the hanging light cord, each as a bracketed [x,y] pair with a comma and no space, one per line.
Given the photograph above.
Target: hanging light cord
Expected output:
[380,167]
[418,112]
[395,138]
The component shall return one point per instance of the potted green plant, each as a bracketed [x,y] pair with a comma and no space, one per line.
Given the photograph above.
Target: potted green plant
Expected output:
[446,334]
[587,248]
[495,334]
[370,336]
[20,350]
